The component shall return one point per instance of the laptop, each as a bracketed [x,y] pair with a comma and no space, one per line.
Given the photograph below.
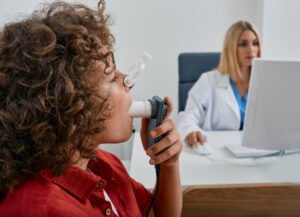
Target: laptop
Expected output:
[272,119]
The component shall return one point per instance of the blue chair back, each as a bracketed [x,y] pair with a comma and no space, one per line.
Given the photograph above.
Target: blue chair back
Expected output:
[191,66]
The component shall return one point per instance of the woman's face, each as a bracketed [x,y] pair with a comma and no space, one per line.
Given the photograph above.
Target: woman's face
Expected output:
[118,126]
[247,49]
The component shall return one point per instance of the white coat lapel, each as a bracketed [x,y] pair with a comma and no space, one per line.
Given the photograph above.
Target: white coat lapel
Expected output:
[222,81]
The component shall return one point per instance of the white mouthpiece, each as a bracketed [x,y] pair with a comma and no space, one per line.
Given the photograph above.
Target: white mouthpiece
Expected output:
[140,109]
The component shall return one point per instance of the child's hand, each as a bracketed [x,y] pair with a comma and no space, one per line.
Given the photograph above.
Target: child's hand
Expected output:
[167,150]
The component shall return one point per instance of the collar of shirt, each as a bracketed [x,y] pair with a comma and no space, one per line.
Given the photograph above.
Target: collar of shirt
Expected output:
[222,79]
[82,183]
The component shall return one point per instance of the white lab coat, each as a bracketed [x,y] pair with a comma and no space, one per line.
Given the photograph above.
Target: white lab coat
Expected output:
[211,105]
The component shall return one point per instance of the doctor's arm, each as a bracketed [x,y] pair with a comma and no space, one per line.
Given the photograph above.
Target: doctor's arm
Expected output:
[191,120]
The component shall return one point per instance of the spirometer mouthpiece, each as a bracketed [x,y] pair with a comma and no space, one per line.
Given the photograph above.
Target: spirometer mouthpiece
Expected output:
[136,68]
[151,108]
[140,109]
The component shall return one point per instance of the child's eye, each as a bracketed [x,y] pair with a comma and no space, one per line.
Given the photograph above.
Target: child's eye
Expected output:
[114,79]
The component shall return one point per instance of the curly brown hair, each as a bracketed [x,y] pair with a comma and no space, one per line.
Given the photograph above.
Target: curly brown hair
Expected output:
[48,110]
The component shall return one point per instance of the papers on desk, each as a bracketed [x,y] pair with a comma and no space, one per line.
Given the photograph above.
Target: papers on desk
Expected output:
[218,154]
[239,155]
[221,153]
[243,152]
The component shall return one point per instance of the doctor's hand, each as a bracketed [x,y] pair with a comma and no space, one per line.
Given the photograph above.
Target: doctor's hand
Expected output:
[166,151]
[195,138]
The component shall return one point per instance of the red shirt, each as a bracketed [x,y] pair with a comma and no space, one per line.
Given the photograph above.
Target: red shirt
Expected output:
[79,193]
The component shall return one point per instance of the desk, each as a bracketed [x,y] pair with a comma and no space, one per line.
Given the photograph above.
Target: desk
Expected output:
[200,170]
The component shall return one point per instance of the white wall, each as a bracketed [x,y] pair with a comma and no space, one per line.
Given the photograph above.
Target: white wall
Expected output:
[14,9]
[281,29]
[164,29]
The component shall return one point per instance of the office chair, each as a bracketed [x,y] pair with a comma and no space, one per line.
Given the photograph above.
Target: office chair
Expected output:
[244,200]
[191,66]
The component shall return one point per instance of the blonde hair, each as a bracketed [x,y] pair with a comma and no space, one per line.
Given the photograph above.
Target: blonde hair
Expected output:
[229,60]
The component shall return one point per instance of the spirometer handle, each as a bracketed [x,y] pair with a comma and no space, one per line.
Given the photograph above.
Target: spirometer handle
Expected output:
[150,141]
[159,111]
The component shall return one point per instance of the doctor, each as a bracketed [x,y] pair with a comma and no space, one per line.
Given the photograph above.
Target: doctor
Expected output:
[217,101]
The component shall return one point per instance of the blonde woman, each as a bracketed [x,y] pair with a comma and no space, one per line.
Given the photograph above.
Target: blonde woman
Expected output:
[218,99]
